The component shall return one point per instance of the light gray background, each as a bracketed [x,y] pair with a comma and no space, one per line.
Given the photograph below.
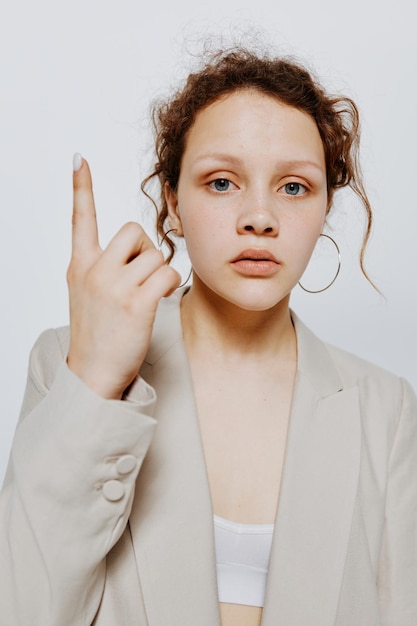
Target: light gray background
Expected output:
[79,76]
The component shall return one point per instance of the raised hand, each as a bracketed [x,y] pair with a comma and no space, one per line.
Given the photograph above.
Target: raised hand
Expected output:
[114,295]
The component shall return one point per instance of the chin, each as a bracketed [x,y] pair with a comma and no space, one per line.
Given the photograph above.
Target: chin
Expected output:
[258,299]
[257,306]
[248,294]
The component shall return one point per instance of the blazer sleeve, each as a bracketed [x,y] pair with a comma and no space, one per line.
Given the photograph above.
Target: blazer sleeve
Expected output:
[397,582]
[68,491]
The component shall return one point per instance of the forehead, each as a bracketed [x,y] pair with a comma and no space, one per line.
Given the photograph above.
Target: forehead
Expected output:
[248,121]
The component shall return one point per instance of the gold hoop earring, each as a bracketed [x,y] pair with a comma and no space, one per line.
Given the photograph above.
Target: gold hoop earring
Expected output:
[339,258]
[174,230]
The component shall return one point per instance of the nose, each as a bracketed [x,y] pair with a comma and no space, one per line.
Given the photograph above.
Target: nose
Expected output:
[259,220]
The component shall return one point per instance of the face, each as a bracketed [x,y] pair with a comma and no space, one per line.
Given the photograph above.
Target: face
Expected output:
[251,199]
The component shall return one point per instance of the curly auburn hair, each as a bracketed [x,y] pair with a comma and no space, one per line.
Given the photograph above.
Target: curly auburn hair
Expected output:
[290,83]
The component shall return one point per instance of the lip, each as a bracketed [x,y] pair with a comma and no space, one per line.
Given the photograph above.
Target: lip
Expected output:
[256,262]
[256,254]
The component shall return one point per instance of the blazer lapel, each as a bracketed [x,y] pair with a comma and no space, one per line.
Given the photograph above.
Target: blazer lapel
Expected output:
[318,490]
[172,519]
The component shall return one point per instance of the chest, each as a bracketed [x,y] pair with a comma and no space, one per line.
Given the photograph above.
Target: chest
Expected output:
[316,504]
[243,423]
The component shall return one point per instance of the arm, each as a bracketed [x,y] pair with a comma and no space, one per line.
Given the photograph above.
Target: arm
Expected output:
[79,446]
[59,514]
[397,582]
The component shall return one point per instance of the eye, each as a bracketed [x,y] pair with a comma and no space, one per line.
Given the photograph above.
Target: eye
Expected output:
[294,189]
[221,184]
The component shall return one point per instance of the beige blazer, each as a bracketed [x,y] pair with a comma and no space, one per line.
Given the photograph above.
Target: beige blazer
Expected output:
[106,516]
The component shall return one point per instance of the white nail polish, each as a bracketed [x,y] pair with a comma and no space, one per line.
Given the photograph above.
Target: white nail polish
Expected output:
[77,161]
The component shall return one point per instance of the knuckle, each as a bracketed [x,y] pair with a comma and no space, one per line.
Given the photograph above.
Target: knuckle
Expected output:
[73,272]
[132,228]
[156,256]
[78,216]
[173,277]
[168,272]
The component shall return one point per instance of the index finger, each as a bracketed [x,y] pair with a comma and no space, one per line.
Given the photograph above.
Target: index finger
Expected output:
[84,222]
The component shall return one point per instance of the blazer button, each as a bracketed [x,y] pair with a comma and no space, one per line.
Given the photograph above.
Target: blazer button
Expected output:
[126,464]
[113,490]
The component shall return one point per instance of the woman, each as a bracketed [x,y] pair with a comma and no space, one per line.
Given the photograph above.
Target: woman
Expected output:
[154,413]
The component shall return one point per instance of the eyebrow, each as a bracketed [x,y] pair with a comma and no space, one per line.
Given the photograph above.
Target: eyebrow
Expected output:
[218,156]
[228,158]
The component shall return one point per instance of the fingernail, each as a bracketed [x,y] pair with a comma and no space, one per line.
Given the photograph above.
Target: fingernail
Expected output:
[77,161]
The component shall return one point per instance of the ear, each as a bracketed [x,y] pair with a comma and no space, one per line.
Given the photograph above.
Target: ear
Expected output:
[173,212]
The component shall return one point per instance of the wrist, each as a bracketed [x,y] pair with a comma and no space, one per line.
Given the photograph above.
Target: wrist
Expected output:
[97,381]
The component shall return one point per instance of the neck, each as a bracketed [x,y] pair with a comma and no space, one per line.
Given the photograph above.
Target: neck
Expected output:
[214,325]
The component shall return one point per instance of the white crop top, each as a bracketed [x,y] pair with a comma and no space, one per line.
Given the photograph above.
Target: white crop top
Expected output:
[242,559]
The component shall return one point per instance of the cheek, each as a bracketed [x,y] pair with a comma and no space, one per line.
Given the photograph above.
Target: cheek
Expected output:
[300,240]
[208,248]
[204,229]
[202,242]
